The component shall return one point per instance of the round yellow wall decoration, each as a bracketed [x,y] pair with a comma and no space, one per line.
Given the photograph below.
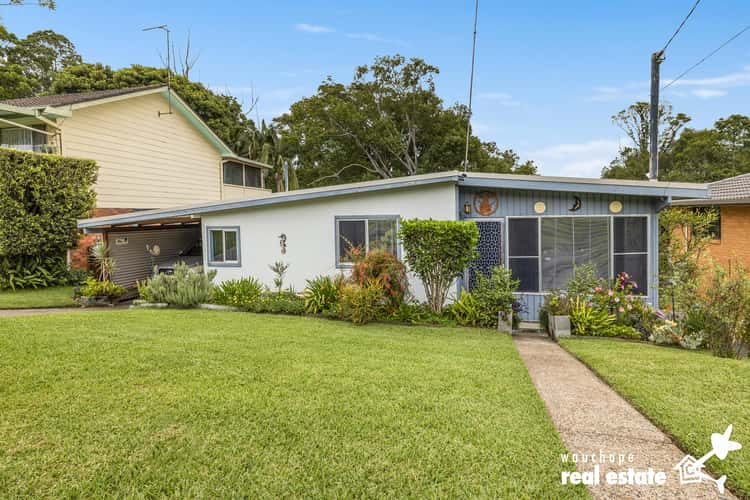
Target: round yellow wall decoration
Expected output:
[540,207]
[615,207]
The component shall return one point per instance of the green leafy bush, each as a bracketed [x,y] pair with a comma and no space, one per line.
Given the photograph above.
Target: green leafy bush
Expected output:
[186,287]
[621,331]
[322,294]
[384,267]
[415,313]
[583,281]
[438,252]
[493,294]
[243,292]
[363,303]
[588,320]
[33,272]
[279,303]
[41,198]
[726,309]
[465,310]
[95,288]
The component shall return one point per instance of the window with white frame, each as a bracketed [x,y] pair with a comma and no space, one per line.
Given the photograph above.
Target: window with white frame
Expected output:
[223,248]
[544,251]
[365,233]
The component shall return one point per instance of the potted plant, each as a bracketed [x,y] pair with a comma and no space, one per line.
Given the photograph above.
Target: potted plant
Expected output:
[101,290]
[557,307]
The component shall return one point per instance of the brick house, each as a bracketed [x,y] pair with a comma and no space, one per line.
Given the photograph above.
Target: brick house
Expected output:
[731,236]
[152,150]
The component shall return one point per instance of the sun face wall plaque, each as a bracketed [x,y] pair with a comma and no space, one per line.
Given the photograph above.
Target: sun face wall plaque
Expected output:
[540,207]
[486,203]
[615,207]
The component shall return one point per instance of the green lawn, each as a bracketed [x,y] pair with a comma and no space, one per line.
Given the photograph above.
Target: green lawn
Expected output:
[215,404]
[58,296]
[688,394]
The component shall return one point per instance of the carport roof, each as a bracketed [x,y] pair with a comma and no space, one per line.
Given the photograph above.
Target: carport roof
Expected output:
[658,190]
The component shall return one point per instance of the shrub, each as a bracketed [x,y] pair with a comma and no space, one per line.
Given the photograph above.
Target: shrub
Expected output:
[588,320]
[726,307]
[33,272]
[279,303]
[583,281]
[493,294]
[279,269]
[77,276]
[438,252]
[95,288]
[186,287]
[322,294]
[622,331]
[363,303]
[41,198]
[465,310]
[416,313]
[384,267]
[243,292]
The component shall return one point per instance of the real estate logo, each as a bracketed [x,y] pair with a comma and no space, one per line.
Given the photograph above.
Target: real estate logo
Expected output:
[691,469]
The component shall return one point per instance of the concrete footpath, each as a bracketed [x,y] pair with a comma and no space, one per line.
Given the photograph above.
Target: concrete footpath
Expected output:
[13,313]
[591,418]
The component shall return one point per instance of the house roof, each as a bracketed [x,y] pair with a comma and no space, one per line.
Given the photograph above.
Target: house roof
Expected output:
[658,190]
[61,105]
[67,99]
[731,191]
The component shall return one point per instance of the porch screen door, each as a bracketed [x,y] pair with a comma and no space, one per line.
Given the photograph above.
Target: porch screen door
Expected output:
[489,247]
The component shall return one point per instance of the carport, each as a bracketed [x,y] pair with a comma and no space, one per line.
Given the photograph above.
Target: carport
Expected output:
[138,247]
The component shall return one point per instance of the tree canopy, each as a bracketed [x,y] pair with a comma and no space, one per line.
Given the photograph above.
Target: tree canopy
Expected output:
[387,122]
[685,154]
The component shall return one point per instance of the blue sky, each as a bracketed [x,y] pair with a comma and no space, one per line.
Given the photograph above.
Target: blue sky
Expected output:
[549,74]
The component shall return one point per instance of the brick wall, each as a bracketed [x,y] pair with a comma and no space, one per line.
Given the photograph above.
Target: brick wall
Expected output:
[735,236]
[79,256]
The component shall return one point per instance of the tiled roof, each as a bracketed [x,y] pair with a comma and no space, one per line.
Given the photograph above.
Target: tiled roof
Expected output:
[733,188]
[67,99]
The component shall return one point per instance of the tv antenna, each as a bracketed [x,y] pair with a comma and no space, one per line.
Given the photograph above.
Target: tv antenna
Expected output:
[165,28]
[471,86]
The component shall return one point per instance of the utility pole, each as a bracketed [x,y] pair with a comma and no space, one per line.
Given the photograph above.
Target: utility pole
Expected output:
[653,172]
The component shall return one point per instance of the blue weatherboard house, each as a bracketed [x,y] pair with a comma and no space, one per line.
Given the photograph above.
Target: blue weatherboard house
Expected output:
[539,227]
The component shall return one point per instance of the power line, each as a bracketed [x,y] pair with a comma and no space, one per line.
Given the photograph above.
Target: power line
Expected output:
[471,86]
[679,28]
[691,68]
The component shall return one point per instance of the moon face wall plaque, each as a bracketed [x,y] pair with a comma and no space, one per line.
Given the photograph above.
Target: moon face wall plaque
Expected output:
[576,204]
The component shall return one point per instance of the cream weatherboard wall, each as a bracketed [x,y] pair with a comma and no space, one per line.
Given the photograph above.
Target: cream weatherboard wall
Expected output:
[145,161]
[310,230]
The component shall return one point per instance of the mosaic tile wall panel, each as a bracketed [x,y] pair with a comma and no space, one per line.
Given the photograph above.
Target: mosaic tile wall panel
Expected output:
[490,249]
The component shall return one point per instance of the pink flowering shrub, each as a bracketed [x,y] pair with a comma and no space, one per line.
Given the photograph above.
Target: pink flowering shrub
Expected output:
[618,299]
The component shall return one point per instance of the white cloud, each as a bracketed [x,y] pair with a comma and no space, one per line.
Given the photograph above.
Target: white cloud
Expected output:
[502,98]
[373,37]
[708,93]
[735,79]
[584,159]
[313,28]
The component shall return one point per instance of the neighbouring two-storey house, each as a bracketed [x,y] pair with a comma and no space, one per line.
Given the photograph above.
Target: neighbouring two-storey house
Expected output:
[153,152]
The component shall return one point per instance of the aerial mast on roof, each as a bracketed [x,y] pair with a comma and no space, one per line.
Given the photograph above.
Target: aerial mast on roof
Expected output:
[165,28]
[471,86]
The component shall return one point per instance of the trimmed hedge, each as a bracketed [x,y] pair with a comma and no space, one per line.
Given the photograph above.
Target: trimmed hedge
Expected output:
[41,196]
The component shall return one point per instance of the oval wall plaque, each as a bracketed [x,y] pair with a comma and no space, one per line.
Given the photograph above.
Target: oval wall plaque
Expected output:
[486,202]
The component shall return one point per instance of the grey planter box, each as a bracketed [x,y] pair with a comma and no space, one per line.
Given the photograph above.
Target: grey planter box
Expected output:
[505,325]
[560,326]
